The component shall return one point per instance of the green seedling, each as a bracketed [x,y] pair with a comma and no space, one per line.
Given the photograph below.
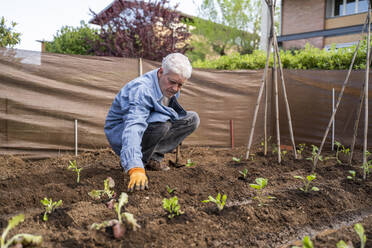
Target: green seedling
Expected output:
[306,243]
[367,166]
[50,206]
[259,187]
[341,148]
[244,173]
[189,163]
[283,153]
[301,148]
[172,207]
[314,153]
[307,182]
[109,183]
[72,166]
[23,238]
[360,231]
[353,174]
[116,224]
[235,159]
[220,202]
[363,238]
[342,244]
[170,190]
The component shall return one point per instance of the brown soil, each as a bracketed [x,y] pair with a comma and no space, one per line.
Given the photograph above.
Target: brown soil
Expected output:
[327,215]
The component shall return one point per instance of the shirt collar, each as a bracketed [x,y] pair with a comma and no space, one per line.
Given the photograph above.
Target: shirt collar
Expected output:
[158,93]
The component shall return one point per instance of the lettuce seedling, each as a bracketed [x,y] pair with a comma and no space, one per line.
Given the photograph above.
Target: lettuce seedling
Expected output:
[170,190]
[189,163]
[307,182]
[108,184]
[220,202]
[360,231]
[363,238]
[306,243]
[72,166]
[235,159]
[117,224]
[244,173]
[23,238]
[172,207]
[342,244]
[50,206]
[261,184]
[314,153]
[353,174]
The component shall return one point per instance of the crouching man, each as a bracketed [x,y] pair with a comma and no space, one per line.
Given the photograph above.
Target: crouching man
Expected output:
[145,120]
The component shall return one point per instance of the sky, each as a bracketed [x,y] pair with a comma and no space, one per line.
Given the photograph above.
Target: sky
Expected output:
[41,19]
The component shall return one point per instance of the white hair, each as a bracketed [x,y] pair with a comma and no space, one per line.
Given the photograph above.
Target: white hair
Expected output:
[178,64]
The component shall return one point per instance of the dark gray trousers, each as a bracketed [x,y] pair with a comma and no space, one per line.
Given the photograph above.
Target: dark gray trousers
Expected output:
[163,137]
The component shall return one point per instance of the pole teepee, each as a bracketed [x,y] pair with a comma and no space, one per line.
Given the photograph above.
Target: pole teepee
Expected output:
[272,42]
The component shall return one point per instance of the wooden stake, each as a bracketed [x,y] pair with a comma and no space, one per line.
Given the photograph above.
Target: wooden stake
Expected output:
[285,97]
[356,124]
[263,81]
[178,154]
[366,94]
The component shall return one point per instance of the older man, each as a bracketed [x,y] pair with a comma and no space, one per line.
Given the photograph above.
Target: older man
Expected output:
[145,120]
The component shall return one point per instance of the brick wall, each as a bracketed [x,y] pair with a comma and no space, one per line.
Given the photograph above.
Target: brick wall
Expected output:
[299,16]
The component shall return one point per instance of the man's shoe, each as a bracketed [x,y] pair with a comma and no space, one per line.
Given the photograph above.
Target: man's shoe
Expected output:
[156,166]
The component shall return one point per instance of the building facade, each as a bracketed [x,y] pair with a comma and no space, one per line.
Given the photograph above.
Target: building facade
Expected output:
[321,22]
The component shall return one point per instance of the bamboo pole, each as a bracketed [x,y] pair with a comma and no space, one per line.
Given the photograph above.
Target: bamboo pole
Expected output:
[277,108]
[359,112]
[265,115]
[356,124]
[337,104]
[366,94]
[263,81]
[285,97]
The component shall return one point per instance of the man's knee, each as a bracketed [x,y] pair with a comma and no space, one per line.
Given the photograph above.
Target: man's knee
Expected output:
[194,119]
[158,128]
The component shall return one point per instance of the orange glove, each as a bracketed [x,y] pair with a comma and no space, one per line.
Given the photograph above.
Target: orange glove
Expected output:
[138,178]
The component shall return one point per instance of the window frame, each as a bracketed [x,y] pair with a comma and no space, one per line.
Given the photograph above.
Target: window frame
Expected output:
[356,10]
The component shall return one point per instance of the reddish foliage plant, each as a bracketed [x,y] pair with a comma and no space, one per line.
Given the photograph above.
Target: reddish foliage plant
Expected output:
[135,28]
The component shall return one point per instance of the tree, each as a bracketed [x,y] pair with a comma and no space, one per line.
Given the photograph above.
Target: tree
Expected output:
[136,28]
[71,40]
[229,23]
[8,37]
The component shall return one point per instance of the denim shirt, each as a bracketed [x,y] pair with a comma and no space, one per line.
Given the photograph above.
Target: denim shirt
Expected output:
[136,105]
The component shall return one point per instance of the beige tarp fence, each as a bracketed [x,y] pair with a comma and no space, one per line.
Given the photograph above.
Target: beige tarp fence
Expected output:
[41,94]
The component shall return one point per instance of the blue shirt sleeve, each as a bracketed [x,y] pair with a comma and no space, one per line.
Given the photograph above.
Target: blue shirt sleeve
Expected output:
[138,107]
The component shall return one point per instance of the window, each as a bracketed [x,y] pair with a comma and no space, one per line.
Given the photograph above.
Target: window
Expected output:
[346,7]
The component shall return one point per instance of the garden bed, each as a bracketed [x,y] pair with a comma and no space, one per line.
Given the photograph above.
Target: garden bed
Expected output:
[327,215]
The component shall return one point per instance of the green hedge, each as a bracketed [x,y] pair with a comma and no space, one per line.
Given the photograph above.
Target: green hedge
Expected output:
[307,58]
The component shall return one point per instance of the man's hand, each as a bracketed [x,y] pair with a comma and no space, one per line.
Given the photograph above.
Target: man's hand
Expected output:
[138,179]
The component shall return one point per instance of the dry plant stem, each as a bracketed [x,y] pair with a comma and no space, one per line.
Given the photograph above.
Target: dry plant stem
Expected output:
[285,95]
[337,105]
[259,98]
[366,95]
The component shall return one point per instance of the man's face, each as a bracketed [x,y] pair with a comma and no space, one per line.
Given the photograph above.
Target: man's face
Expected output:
[170,83]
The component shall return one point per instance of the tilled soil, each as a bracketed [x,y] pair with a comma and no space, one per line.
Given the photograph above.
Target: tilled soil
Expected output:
[327,215]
